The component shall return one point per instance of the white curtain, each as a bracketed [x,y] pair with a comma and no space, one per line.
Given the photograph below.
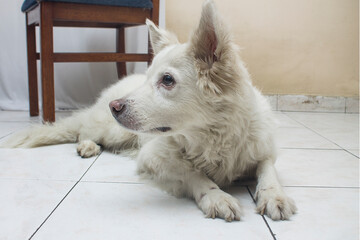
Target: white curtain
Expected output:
[76,84]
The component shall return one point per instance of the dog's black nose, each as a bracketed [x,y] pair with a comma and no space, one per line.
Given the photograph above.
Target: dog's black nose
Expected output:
[117,107]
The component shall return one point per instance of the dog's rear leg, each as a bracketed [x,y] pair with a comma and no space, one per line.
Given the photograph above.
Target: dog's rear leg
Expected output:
[170,172]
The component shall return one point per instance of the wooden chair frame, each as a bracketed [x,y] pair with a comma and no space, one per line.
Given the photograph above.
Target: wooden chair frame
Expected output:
[47,15]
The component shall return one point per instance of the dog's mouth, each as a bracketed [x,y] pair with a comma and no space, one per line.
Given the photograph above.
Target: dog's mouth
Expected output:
[161,129]
[158,130]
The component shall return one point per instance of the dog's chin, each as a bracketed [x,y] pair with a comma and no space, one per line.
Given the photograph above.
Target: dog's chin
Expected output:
[136,128]
[132,126]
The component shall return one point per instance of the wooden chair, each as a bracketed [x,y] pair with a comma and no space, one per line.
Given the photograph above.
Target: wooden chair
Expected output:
[46,14]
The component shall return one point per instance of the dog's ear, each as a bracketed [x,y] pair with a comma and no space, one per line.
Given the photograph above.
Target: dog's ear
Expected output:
[212,49]
[160,38]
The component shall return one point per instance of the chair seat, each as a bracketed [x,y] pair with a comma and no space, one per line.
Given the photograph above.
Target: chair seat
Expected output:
[29,4]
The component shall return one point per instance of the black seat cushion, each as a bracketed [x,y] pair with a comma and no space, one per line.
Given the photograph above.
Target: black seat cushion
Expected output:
[29,4]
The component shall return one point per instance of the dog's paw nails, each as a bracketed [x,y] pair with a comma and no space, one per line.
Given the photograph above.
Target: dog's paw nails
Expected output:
[88,148]
[217,203]
[278,207]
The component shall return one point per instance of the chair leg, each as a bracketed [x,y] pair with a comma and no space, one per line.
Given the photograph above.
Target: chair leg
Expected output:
[32,70]
[47,62]
[120,48]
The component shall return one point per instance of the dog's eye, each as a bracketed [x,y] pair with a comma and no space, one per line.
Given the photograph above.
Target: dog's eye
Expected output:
[168,81]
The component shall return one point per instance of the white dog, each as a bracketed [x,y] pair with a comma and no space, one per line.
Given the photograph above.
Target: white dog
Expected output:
[195,119]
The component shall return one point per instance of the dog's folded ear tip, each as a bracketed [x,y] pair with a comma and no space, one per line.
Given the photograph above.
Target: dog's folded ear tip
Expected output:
[150,23]
[209,3]
[209,8]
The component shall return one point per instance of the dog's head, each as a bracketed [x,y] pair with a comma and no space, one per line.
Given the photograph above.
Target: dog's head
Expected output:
[185,82]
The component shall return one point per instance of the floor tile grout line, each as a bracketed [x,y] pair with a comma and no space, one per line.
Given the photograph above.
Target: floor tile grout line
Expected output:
[322,136]
[35,179]
[266,223]
[69,180]
[299,148]
[351,153]
[143,183]
[304,186]
[323,187]
[326,149]
[16,121]
[112,182]
[291,127]
[6,135]
[15,131]
[64,197]
[289,111]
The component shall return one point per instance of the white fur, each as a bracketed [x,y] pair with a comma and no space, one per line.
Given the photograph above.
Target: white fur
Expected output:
[221,126]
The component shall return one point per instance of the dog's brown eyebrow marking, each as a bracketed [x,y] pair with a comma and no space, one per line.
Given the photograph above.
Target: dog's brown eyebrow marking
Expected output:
[204,194]
[201,196]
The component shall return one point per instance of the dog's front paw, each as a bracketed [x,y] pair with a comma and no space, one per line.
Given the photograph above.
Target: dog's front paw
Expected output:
[275,204]
[216,203]
[88,148]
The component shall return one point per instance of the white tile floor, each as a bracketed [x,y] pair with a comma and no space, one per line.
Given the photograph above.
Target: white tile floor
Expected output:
[51,193]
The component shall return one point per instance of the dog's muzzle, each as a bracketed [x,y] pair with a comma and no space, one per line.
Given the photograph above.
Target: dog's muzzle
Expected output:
[117,107]
[121,111]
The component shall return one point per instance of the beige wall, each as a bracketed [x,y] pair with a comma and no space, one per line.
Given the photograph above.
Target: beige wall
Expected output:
[290,47]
